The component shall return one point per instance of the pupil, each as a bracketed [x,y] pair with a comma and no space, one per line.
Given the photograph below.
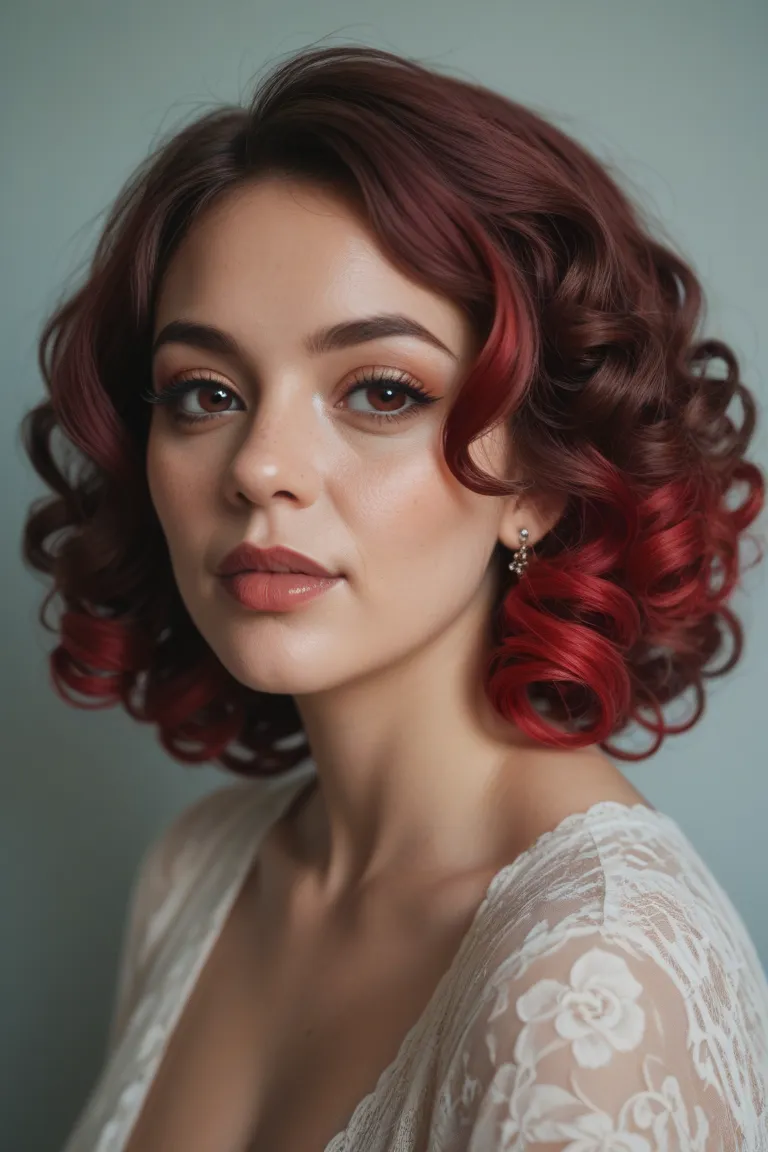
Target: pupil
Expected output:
[389,393]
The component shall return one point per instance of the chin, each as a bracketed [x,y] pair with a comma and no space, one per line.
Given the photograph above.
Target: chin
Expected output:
[265,666]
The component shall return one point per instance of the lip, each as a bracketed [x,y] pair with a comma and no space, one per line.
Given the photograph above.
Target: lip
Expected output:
[275,591]
[247,557]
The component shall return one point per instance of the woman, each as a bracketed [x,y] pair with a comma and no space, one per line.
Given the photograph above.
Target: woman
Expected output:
[399,458]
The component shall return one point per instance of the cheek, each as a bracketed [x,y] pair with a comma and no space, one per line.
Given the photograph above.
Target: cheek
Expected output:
[160,481]
[176,490]
[414,520]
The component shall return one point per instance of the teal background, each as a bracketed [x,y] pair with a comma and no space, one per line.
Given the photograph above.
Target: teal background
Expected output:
[670,92]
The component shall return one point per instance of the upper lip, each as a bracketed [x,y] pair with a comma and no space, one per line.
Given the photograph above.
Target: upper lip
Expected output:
[248,558]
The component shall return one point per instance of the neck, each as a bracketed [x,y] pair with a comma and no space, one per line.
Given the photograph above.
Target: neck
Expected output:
[416,774]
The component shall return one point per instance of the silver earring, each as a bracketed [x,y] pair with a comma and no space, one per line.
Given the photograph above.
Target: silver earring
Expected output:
[520,556]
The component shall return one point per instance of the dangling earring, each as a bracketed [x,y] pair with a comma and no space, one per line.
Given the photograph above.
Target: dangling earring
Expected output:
[520,556]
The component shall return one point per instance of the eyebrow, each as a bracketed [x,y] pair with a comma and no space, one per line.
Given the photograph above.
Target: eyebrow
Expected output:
[347,334]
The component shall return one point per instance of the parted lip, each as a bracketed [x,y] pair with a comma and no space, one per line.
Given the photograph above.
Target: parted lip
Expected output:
[248,558]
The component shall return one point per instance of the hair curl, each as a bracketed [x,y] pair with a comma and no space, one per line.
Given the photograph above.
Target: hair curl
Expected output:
[588,351]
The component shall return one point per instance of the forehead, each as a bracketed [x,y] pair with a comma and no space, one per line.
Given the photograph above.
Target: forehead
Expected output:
[282,254]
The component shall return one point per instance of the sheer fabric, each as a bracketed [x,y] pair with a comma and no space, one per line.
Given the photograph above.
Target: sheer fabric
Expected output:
[606,998]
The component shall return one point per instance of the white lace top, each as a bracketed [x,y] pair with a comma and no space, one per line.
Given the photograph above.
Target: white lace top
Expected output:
[606,998]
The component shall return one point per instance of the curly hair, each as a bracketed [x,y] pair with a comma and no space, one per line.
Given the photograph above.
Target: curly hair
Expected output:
[587,327]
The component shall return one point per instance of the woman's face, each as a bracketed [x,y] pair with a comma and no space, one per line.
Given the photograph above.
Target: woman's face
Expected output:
[279,444]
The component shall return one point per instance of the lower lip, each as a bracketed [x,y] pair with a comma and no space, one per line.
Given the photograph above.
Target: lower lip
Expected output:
[276,591]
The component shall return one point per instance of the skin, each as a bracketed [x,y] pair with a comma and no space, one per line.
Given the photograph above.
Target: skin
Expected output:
[417,775]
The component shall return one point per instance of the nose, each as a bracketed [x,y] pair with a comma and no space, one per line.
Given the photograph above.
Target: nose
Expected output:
[278,452]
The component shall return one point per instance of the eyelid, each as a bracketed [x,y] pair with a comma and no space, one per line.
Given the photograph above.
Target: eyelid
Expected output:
[186,382]
[361,374]
[203,374]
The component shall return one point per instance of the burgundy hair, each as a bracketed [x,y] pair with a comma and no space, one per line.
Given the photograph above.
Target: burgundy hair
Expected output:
[588,351]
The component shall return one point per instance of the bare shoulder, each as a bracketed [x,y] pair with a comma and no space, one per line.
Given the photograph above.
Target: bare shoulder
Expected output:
[557,785]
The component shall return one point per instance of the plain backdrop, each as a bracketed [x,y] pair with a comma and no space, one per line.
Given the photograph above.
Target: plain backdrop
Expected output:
[672,93]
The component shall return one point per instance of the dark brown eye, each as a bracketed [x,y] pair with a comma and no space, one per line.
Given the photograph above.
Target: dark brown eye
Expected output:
[388,396]
[387,393]
[215,398]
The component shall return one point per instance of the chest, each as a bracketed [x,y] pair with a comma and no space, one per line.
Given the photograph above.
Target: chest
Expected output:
[284,1035]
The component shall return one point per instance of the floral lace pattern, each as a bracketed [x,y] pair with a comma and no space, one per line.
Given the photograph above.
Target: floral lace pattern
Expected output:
[606,998]
[596,1010]
[596,1016]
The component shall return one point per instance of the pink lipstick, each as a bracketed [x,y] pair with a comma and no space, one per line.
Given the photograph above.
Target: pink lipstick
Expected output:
[273,579]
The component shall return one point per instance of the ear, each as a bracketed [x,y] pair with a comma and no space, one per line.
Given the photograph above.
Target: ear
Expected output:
[538,512]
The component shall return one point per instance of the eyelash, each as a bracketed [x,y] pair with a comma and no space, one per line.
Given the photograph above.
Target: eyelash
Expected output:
[173,392]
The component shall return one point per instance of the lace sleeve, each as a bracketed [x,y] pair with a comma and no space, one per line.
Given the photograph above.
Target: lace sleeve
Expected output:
[593,1048]
[147,894]
[163,879]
